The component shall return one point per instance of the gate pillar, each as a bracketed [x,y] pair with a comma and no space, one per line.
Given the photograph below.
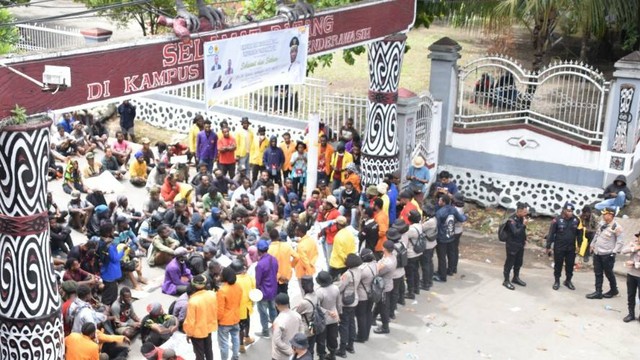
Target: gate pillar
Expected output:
[380,143]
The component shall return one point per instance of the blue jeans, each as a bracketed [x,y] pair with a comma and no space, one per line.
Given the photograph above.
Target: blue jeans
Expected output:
[243,163]
[209,163]
[354,215]
[616,202]
[267,311]
[223,340]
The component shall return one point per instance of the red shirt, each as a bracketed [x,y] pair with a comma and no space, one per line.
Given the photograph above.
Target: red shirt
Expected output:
[404,214]
[255,223]
[330,231]
[226,157]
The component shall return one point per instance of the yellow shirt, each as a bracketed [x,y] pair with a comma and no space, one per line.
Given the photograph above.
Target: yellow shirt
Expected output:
[288,150]
[287,258]
[344,243]
[257,150]
[307,256]
[138,169]
[246,283]
[385,203]
[346,160]
[202,314]
[244,139]
[414,202]
[191,139]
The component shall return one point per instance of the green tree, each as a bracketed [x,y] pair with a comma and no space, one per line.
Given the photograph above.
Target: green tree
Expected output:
[145,15]
[543,17]
[9,35]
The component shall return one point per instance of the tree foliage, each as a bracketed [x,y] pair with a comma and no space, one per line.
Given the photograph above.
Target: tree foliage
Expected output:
[9,35]
[145,16]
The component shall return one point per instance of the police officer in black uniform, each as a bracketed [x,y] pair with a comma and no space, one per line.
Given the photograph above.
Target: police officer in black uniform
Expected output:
[517,229]
[564,233]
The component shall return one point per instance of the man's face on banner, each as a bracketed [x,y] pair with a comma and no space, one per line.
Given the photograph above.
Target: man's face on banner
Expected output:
[293,52]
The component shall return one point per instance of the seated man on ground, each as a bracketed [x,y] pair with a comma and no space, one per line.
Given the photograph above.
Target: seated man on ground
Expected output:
[616,195]
[157,327]
[164,247]
[177,274]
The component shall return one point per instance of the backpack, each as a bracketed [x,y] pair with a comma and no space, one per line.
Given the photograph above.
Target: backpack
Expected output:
[401,254]
[69,320]
[503,232]
[349,299]
[420,245]
[318,322]
[102,253]
[377,289]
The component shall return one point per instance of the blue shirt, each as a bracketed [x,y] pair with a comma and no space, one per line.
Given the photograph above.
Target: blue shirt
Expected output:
[67,125]
[421,173]
[393,200]
[195,235]
[211,222]
[446,218]
[111,270]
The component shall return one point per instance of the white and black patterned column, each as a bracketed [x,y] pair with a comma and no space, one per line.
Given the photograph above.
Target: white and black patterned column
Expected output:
[380,143]
[30,320]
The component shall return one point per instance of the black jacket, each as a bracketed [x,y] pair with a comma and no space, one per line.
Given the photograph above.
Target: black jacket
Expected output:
[517,234]
[564,233]
[369,234]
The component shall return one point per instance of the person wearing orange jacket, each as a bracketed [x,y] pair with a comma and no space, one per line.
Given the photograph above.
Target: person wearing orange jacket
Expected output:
[307,254]
[170,189]
[328,211]
[288,148]
[83,346]
[201,319]
[286,257]
[229,300]
[381,217]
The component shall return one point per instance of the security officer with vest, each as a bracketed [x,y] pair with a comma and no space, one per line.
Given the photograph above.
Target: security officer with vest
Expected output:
[565,233]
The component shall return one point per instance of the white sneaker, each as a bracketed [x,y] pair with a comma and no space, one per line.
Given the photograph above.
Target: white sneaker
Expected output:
[617,211]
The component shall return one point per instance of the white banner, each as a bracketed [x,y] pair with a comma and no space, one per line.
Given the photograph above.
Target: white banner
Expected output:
[241,64]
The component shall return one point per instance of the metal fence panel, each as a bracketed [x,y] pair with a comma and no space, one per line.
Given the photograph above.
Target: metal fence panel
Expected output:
[36,37]
[567,98]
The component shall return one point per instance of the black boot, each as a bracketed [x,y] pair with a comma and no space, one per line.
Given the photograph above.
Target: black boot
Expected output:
[330,356]
[569,284]
[595,295]
[506,283]
[410,296]
[630,317]
[556,284]
[342,352]
[516,280]
[611,293]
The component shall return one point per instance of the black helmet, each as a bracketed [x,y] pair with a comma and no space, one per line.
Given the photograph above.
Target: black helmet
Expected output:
[237,265]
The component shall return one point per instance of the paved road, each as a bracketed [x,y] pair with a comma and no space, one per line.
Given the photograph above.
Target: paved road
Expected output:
[471,316]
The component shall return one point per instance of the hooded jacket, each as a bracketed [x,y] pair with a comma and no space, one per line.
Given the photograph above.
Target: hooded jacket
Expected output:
[196,234]
[613,188]
[273,157]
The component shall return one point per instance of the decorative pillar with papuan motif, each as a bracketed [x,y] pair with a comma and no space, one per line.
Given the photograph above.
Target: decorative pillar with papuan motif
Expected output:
[380,143]
[30,320]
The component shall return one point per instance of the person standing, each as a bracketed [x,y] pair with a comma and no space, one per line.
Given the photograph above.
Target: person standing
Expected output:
[329,302]
[227,150]
[590,225]
[368,235]
[247,283]
[364,309]
[201,319]
[229,300]
[344,243]
[328,211]
[127,114]
[633,276]
[430,227]
[446,216]
[110,270]
[267,283]
[273,160]
[453,256]
[386,266]
[196,127]
[285,326]
[258,146]
[565,233]
[338,164]
[244,139]
[298,165]
[381,217]
[348,285]
[207,146]
[306,309]
[307,254]
[288,148]
[606,244]
[517,229]
[412,268]
[286,258]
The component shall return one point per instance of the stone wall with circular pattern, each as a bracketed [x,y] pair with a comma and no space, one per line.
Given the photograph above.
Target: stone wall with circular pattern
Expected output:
[179,118]
[545,197]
